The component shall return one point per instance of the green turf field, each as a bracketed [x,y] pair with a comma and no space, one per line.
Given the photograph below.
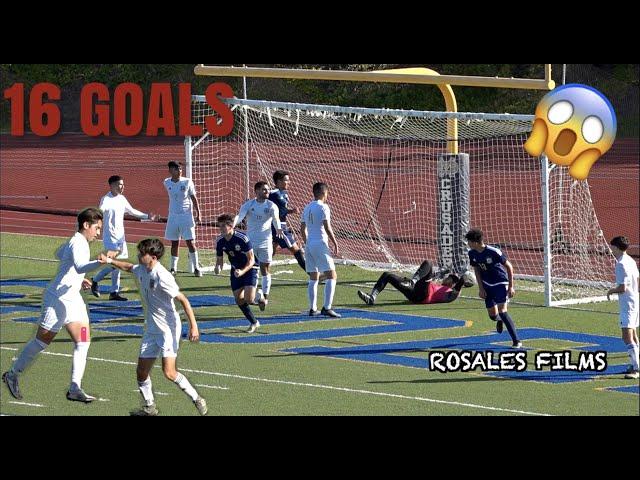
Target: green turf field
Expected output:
[241,374]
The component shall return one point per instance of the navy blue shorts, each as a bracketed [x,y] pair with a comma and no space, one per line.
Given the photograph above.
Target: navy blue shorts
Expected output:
[496,295]
[288,240]
[249,279]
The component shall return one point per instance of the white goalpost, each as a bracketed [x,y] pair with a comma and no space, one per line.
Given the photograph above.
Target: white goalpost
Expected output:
[398,196]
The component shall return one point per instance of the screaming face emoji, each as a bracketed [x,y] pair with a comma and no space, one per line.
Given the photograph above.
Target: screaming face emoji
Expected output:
[575,125]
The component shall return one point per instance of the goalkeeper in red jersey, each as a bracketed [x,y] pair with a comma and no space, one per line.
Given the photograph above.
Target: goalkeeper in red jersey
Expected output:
[421,288]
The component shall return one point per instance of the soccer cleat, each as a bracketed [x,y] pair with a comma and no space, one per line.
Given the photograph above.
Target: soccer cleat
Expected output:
[95,288]
[365,297]
[313,313]
[79,396]
[201,405]
[516,345]
[11,379]
[327,312]
[262,304]
[499,326]
[632,375]
[253,327]
[173,272]
[197,273]
[115,296]
[146,411]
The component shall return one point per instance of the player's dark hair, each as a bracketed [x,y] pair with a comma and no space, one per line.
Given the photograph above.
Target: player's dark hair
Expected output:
[173,165]
[114,179]
[279,175]
[151,246]
[260,186]
[319,189]
[621,242]
[475,235]
[225,219]
[92,215]
[454,278]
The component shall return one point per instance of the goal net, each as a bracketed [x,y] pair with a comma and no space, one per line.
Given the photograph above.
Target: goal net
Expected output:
[403,190]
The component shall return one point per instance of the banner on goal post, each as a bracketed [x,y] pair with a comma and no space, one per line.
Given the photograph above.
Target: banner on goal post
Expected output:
[453,211]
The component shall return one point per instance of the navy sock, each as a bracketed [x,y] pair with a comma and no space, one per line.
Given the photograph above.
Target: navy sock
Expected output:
[494,317]
[511,327]
[300,258]
[248,313]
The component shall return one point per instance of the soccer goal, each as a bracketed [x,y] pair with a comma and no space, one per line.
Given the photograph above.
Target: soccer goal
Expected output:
[399,195]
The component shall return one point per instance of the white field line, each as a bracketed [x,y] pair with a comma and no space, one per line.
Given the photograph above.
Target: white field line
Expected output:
[319,386]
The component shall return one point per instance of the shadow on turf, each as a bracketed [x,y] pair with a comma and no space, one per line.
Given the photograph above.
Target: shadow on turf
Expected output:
[446,380]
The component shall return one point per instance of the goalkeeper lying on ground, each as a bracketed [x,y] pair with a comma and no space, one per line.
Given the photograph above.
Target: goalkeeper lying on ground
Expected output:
[422,288]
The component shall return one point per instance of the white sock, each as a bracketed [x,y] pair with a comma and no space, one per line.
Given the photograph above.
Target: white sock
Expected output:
[146,391]
[329,290]
[312,290]
[193,258]
[103,273]
[79,362]
[632,349]
[115,281]
[174,263]
[28,354]
[186,387]
[266,284]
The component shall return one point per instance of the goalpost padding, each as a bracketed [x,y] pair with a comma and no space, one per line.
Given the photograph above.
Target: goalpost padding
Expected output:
[454,198]
[382,170]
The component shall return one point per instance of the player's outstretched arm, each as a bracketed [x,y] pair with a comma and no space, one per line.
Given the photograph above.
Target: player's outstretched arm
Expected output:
[120,265]
[194,333]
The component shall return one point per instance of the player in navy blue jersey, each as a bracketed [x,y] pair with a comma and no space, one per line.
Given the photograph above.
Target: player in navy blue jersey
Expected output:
[494,274]
[280,197]
[244,271]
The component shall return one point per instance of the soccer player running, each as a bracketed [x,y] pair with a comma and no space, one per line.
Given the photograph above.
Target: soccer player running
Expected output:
[114,205]
[261,214]
[180,223]
[63,306]
[494,274]
[316,232]
[244,272]
[280,197]
[163,328]
[421,288]
[628,299]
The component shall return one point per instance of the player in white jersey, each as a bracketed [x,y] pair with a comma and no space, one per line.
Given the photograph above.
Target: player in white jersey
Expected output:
[261,213]
[114,206]
[628,299]
[316,232]
[180,222]
[63,306]
[158,289]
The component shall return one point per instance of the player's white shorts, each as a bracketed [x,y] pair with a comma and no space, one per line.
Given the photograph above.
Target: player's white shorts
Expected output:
[629,317]
[318,258]
[120,247]
[165,344]
[263,254]
[57,313]
[180,226]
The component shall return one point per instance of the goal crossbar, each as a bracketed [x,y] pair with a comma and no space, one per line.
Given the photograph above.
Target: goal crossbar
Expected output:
[391,76]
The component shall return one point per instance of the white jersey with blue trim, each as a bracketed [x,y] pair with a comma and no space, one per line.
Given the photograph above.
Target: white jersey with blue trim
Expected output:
[260,216]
